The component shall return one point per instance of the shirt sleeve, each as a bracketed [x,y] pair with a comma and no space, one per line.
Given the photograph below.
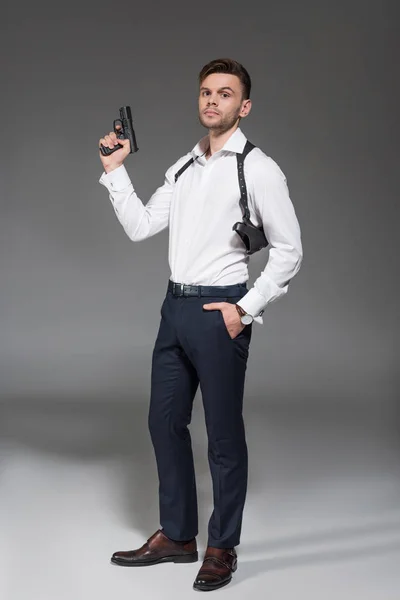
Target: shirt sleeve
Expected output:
[269,190]
[138,220]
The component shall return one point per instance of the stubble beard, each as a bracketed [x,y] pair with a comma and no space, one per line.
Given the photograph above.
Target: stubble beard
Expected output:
[224,124]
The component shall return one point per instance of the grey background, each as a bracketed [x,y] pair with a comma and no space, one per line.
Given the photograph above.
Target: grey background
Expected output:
[80,302]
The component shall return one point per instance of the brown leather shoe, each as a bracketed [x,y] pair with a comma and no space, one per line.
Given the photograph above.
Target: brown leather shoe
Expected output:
[158,549]
[217,568]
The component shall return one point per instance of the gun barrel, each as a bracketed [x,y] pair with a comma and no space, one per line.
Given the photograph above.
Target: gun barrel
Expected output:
[125,112]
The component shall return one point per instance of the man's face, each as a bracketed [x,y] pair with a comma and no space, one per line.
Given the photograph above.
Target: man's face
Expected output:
[220,102]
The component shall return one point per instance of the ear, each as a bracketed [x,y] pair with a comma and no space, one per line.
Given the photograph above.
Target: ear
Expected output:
[246,108]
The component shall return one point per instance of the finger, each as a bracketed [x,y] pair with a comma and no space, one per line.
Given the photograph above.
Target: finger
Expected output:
[114,138]
[109,141]
[214,305]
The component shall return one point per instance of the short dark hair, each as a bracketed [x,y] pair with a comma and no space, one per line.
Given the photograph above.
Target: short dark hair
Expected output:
[230,66]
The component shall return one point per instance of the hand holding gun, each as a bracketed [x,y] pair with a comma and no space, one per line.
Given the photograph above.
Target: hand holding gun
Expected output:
[116,146]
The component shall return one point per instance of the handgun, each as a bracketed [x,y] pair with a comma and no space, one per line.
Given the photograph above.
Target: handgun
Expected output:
[126,132]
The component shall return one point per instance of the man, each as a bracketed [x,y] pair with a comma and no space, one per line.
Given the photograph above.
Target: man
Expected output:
[207,315]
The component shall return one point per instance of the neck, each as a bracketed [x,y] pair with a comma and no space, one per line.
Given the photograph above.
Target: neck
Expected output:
[217,139]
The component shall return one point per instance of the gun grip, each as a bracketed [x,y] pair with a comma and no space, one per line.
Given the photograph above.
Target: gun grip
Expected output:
[106,151]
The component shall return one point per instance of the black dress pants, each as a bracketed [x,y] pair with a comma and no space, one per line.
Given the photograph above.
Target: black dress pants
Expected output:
[193,347]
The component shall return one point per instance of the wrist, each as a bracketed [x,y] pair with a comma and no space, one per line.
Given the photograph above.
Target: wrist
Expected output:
[110,168]
[240,310]
[245,318]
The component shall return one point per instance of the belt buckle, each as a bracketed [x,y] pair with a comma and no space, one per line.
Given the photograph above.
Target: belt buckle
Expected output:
[179,286]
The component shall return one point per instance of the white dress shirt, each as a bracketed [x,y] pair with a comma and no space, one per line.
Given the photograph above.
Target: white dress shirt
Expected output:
[200,210]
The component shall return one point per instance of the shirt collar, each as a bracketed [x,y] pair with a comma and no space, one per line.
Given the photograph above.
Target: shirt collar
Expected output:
[235,143]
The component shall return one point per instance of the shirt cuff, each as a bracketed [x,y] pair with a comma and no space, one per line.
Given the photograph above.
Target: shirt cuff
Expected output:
[116,180]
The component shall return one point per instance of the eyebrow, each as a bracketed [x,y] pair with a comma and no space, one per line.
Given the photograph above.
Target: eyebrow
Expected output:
[226,87]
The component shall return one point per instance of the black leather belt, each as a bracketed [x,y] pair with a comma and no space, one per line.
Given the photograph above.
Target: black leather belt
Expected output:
[227,291]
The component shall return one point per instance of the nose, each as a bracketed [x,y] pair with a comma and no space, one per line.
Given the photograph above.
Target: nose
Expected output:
[212,100]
